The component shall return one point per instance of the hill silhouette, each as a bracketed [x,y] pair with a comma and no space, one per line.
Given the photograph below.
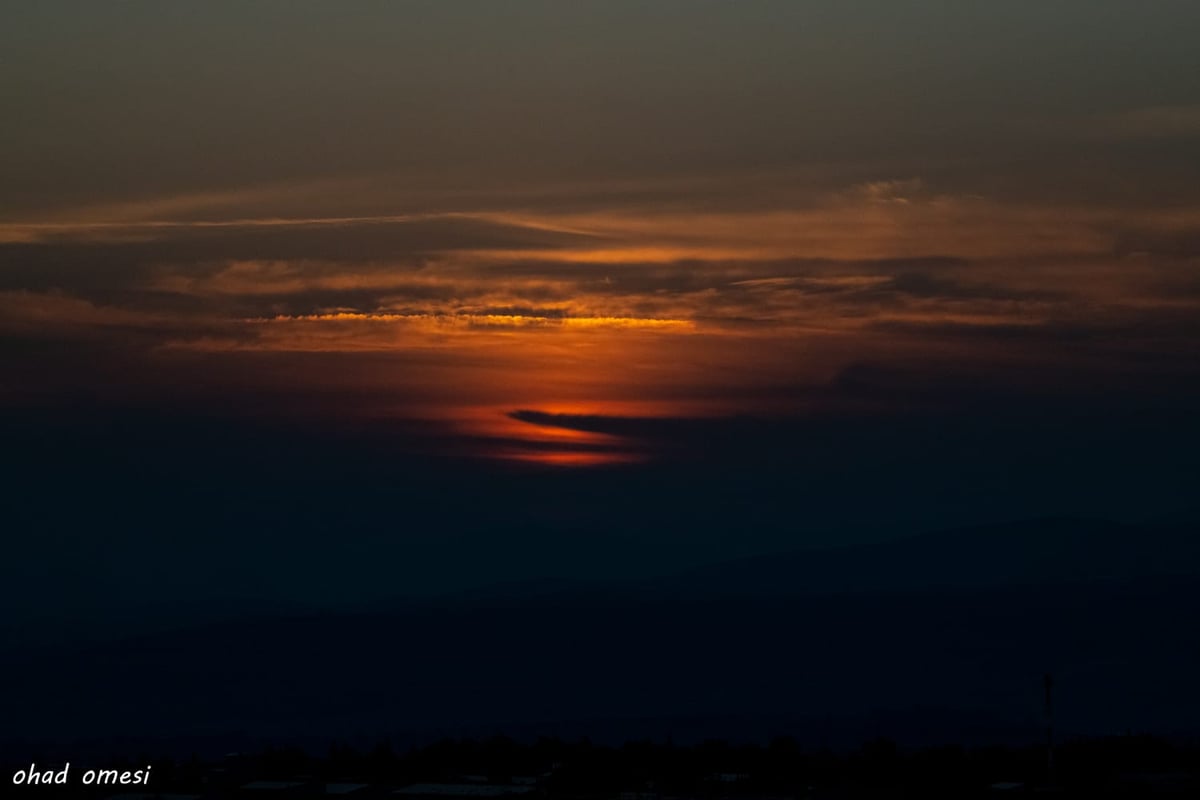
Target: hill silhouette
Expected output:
[921,640]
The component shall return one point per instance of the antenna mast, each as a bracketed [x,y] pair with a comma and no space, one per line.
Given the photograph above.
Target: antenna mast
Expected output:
[1048,682]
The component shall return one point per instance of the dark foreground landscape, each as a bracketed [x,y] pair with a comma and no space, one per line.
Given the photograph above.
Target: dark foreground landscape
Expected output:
[917,665]
[1130,766]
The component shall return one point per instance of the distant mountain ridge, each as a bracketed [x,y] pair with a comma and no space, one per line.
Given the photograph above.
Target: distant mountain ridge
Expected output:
[925,639]
[1037,551]
[1017,553]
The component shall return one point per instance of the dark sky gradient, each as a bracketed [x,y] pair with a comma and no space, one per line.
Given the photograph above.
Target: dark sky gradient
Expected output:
[429,106]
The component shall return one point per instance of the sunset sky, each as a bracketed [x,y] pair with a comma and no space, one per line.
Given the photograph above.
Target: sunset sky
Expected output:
[873,246]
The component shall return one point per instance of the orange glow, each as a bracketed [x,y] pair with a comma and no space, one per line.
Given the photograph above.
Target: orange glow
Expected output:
[497,320]
[611,312]
[548,444]
[579,459]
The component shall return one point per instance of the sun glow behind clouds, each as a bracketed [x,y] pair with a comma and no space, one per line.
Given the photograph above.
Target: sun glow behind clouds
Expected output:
[506,433]
[479,368]
[463,318]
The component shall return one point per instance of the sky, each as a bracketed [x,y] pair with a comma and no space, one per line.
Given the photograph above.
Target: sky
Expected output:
[688,279]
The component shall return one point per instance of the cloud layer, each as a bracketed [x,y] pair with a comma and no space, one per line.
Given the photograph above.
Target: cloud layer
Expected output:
[613,311]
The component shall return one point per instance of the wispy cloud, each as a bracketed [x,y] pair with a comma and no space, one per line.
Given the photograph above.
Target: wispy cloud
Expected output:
[461,316]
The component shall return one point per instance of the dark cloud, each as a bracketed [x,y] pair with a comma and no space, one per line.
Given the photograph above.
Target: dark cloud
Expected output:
[97,259]
[926,284]
[1177,244]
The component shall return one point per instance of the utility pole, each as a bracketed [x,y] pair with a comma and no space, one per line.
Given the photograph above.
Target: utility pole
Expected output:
[1048,683]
